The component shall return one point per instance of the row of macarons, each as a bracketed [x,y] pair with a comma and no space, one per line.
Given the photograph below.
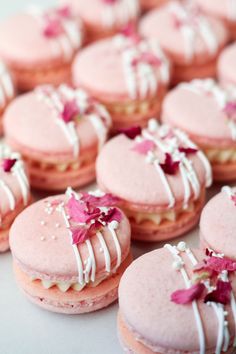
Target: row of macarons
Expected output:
[77,259]
[173,43]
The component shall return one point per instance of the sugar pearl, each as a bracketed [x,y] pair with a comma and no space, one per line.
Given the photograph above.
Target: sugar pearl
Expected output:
[152,125]
[114,224]
[177,265]
[181,246]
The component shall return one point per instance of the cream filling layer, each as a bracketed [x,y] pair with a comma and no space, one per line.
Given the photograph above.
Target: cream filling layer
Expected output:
[142,107]
[158,218]
[221,156]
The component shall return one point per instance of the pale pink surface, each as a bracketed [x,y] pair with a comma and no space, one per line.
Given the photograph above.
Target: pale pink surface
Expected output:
[54,259]
[32,126]
[126,174]
[226,65]
[199,115]
[159,24]
[104,79]
[218,8]
[19,36]
[145,305]
[92,11]
[218,224]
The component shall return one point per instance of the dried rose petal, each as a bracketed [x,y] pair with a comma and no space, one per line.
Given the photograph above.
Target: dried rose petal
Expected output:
[106,200]
[130,31]
[64,11]
[79,235]
[218,264]
[70,111]
[131,132]
[113,214]
[233,198]
[230,110]
[148,58]
[222,293]
[53,28]
[81,212]
[170,167]
[144,147]
[7,164]
[185,296]
[188,150]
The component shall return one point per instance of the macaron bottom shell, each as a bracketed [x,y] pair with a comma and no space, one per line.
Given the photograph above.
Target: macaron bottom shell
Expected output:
[147,5]
[150,232]
[72,302]
[4,240]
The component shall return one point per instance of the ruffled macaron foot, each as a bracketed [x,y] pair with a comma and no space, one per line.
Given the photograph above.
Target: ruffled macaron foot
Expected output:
[39,46]
[140,75]
[160,178]
[59,137]
[226,66]
[73,259]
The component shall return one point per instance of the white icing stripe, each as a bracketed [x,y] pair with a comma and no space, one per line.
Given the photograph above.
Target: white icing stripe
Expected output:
[99,128]
[92,259]
[10,195]
[117,245]
[21,177]
[187,190]
[76,252]
[120,12]
[187,281]
[166,185]
[105,251]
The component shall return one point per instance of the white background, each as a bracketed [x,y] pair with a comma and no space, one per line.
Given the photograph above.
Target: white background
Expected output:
[27,329]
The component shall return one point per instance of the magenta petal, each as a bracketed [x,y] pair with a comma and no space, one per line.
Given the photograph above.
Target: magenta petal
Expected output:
[188,150]
[70,111]
[105,201]
[233,198]
[64,11]
[222,293]
[170,167]
[131,132]
[185,296]
[230,110]
[79,235]
[144,147]
[150,59]
[7,164]
[113,214]
[218,264]
[53,28]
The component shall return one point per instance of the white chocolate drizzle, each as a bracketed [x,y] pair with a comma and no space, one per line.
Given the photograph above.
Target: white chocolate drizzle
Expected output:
[222,96]
[142,79]
[66,43]
[120,13]
[193,25]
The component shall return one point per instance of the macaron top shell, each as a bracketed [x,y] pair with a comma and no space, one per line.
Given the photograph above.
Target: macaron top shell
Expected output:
[218,222]
[226,65]
[145,293]
[137,179]
[46,250]
[184,34]
[200,109]
[56,35]
[117,74]
[14,186]
[104,13]
[35,121]
[7,90]
[225,9]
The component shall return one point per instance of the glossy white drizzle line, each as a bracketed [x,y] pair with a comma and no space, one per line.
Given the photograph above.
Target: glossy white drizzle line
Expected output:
[10,196]
[19,172]
[6,85]
[66,43]
[117,245]
[208,171]
[166,184]
[92,259]
[223,332]
[105,251]
[187,281]
[190,31]
[120,13]
[228,190]
[53,100]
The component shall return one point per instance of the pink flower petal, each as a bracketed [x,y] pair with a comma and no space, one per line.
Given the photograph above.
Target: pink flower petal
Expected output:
[131,132]
[218,264]
[185,296]
[79,235]
[81,212]
[233,198]
[104,201]
[53,28]
[7,164]
[130,31]
[230,110]
[188,150]
[170,167]
[221,295]
[148,58]
[64,11]
[70,111]
[144,147]
[113,214]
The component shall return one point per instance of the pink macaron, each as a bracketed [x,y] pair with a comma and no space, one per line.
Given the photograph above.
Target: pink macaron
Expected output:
[103,18]
[160,177]
[147,5]
[14,191]
[226,65]
[7,91]
[39,46]
[206,112]
[130,77]
[72,259]
[192,41]
[59,132]
[170,302]
[225,10]
[218,223]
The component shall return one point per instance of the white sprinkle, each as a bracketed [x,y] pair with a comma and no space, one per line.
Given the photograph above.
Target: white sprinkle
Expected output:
[181,246]
[177,265]
[114,224]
